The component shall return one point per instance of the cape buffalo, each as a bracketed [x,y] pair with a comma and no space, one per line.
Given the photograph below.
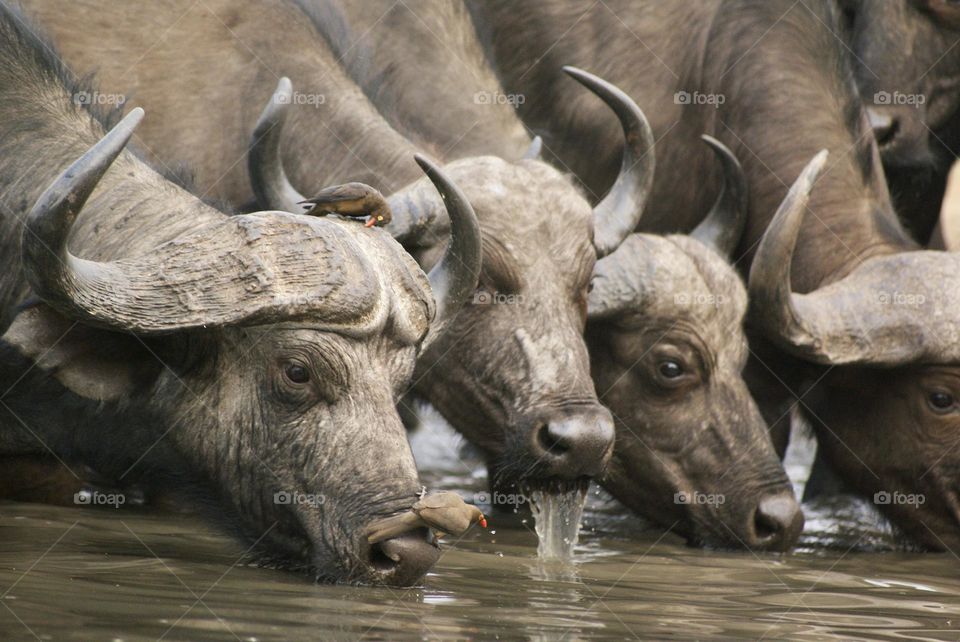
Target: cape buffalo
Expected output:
[692,450]
[870,360]
[907,65]
[254,358]
[513,378]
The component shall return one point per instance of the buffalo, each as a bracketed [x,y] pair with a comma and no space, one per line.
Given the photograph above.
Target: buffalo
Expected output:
[907,67]
[869,359]
[692,450]
[253,360]
[513,378]
[908,70]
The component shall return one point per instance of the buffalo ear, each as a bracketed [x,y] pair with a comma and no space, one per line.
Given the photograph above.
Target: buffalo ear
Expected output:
[93,363]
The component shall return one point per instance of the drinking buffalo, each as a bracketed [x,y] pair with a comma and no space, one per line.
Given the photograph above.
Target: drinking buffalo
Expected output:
[773,81]
[256,359]
[664,314]
[513,378]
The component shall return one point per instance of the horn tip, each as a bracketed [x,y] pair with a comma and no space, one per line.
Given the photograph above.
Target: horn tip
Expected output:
[718,147]
[425,163]
[282,94]
[581,76]
[816,165]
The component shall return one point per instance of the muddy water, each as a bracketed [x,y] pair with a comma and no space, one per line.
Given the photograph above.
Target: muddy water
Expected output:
[105,574]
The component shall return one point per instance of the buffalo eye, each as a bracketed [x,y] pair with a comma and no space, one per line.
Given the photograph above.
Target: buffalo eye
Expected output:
[940,401]
[670,369]
[296,373]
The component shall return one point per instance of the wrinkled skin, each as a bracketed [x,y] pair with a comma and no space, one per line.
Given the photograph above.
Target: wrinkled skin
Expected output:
[236,418]
[515,359]
[914,455]
[732,457]
[774,122]
[507,369]
[225,415]
[671,373]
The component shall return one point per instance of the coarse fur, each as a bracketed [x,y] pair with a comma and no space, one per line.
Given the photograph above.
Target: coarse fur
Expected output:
[788,90]
[212,409]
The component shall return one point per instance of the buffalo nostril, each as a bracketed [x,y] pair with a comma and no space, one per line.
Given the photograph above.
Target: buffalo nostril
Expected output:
[885,126]
[405,559]
[551,442]
[777,521]
[574,445]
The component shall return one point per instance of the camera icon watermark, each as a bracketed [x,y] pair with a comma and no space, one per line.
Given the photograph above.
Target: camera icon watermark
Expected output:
[696,98]
[700,298]
[485,297]
[88,497]
[896,498]
[498,98]
[84,97]
[885,98]
[696,498]
[496,498]
[296,498]
[299,98]
[901,298]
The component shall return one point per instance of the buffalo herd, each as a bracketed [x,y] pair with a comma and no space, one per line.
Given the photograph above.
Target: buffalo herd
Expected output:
[632,242]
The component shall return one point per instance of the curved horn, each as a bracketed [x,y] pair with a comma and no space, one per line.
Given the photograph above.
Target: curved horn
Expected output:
[454,278]
[188,282]
[618,214]
[54,274]
[270,184]
[771,296]
[533,152]
[723,225]
[891,310]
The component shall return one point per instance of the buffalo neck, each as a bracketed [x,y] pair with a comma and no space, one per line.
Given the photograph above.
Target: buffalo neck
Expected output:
[776,122]
[424,68]
[678,61]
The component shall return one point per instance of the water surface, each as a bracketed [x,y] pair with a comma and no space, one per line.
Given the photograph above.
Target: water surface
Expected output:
[128,574]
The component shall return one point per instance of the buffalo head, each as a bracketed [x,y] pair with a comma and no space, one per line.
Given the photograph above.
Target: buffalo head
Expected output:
[908,70]
[512,374]
[667,352]
[271,348]
[885,407]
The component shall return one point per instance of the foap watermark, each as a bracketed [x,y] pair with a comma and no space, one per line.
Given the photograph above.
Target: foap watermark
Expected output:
[484,297]
[97,98]
[901,298]
[697,98]
[896,498]
[898,98]
[496,498]
[96,498]
[498,98]
[296,498]
[698,498]
[699,298]
[300,98]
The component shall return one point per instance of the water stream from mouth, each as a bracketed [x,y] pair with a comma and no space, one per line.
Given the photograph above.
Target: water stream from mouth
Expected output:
[557,516]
